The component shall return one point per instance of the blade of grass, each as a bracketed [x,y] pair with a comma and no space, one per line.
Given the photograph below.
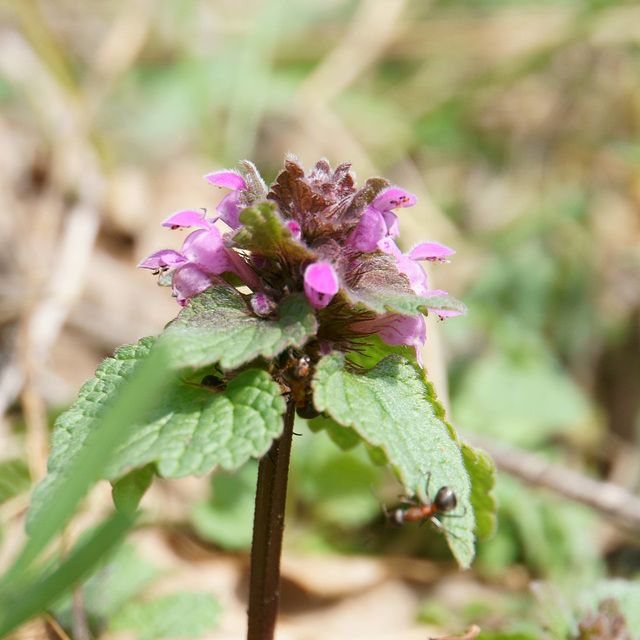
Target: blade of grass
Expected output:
[19,605]
[131,405]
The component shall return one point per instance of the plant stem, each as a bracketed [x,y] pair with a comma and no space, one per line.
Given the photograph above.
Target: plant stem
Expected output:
[268,527]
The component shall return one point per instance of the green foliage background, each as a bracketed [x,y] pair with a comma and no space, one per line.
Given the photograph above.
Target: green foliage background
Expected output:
[515,122]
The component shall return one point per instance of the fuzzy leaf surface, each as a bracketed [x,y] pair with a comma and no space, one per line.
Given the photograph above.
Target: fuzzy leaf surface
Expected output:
[390,408]
[217,327]
[194,430]
[482,473]
[265,233]
[189,430]
[407,304]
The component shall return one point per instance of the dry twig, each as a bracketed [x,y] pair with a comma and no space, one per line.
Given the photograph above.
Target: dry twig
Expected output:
[616,503]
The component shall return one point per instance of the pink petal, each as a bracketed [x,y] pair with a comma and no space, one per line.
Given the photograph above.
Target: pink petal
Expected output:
[163,259]
[263,305]
[414,271]
[320,284]
[394,328]
[188,281]
[229,210]
[205,249]
[370,230]
[228,179]
[430,251]
[394,198]
[393,225]
[188,218]
[387,245]
[238,265]
[295,228]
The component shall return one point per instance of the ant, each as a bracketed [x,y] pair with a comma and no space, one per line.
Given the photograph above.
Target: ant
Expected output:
[444,502]
[296,372]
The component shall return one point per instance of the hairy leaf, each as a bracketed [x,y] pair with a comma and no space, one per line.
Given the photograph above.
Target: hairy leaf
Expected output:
[265,233]
[194,429]
[408,303]
[294,194]
[147,376]
[481,470]
[189,430]
[217,327]
[390,408]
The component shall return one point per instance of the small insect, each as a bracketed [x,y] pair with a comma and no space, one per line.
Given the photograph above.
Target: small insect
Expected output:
[212,383]
[296,372]
[443,504]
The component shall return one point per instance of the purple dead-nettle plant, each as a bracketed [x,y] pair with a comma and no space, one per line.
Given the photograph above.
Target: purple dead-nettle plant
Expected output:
[335,243]
[295,298]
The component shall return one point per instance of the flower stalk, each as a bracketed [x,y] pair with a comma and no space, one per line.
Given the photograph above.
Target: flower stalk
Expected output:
[268,528]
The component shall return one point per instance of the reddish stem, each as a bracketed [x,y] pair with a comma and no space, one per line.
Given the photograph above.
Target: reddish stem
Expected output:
[268,527]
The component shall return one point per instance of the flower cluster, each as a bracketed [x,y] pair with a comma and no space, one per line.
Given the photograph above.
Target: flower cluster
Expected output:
[314,233]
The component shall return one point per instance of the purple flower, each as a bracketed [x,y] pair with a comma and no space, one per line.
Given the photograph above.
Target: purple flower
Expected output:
[318,234]
[320,284]
[201,259]
[407,263]
[431,251]
[230,207]
[378,222]
[262,304]
[396,329]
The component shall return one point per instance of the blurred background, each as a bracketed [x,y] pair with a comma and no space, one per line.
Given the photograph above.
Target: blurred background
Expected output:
[517,125]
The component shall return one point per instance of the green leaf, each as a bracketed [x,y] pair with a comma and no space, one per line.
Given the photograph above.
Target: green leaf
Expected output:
[84,458]
[19,604]
[407,304]
[217,327]
[121,577]
[264,232]
[128,491]
[190,429]
[180,615]
[193,429]
[345,437]
[542,399]
[332,485]
[390,408]
[227,517]
[481,470]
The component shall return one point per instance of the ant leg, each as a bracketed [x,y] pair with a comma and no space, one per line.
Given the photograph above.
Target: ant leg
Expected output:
[426,489]
[442,529]
[383,506]
[437,524]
